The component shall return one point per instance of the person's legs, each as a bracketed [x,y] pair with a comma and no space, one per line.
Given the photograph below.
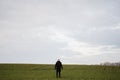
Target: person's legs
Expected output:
[56,74]
[59,74]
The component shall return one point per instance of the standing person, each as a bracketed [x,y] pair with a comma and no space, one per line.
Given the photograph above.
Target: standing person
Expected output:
[58,67]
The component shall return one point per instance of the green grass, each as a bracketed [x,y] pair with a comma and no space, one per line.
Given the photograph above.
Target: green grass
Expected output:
[47,72]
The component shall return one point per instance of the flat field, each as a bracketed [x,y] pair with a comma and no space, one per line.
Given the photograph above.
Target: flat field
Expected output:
[47,72]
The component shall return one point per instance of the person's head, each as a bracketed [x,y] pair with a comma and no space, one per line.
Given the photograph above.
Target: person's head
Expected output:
[58,60]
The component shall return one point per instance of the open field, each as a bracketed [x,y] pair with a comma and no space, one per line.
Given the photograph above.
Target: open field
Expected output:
[47,72]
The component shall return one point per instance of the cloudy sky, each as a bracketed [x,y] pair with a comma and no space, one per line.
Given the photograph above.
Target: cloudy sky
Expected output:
[75,31]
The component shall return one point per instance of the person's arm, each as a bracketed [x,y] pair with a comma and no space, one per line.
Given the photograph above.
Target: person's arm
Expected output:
[61,66]
[55,66]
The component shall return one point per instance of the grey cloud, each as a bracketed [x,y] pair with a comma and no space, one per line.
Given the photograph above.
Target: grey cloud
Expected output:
[30,27]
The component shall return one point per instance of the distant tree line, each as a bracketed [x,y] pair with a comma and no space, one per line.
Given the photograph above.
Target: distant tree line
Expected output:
[110,63]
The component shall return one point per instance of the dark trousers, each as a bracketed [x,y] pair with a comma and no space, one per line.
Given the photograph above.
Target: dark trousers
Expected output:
[58,73]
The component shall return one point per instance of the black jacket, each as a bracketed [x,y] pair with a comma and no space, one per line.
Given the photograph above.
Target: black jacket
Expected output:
[58,66]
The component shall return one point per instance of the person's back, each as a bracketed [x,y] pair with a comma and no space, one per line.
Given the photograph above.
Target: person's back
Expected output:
[58,67]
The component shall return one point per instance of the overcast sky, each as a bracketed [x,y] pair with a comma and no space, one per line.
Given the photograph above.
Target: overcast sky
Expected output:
[75,31]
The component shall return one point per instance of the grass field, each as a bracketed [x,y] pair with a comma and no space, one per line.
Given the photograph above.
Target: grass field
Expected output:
[47,72]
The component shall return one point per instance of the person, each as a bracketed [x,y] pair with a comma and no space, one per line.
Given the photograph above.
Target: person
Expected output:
[58,67]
